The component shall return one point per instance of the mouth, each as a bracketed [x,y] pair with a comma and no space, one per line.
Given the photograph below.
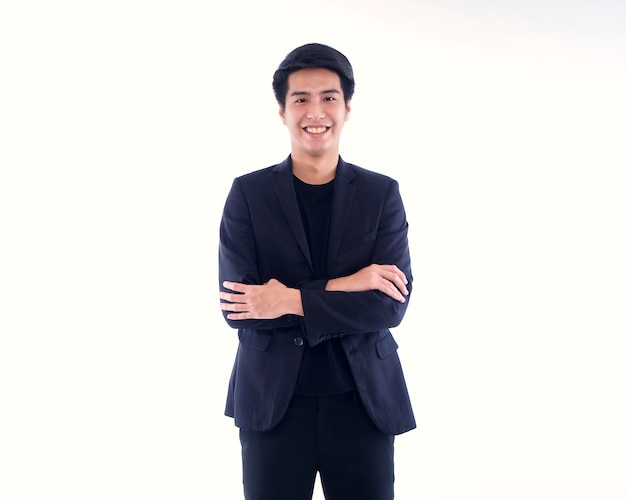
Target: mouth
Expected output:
[315,130]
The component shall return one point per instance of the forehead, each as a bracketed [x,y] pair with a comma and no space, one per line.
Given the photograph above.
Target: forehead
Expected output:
[313,80]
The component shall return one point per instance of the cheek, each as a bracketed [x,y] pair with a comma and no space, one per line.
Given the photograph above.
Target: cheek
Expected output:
[288,120]
[292,123]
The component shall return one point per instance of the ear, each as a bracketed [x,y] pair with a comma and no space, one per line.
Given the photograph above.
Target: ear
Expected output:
[281,113]
[348,109]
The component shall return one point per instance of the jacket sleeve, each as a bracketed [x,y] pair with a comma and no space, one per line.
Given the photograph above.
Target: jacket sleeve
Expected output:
[330,314]
[237,256]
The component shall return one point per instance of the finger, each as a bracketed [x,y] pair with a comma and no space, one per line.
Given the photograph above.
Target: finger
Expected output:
[398,272]
[388,288]
[229,306]
[399,281]
[232,297]
[238,316]
[394,293]
[236,287]
[402,287]
[395,271]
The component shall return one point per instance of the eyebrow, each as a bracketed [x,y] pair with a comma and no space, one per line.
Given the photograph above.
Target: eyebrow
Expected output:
[303,92]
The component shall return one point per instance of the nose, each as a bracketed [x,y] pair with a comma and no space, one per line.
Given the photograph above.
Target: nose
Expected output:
[315,112]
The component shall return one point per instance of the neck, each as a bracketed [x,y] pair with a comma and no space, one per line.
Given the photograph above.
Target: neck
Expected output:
[315,170]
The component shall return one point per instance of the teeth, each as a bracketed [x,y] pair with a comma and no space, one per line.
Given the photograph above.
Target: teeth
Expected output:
[316,130]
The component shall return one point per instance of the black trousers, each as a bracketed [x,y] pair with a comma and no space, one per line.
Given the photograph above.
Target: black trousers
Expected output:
[330,435]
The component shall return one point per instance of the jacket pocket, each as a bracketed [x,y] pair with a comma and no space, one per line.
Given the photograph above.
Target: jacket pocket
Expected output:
[386,346]
[258,340]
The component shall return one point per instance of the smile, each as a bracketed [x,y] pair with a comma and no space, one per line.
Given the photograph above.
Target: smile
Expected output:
[316,130]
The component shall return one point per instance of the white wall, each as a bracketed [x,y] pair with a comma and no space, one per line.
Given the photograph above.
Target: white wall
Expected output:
[122,126]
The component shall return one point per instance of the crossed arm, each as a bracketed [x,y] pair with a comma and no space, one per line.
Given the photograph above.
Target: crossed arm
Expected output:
[273,299]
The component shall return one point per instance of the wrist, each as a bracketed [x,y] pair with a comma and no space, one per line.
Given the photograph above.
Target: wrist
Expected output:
[294,302]
[333,285]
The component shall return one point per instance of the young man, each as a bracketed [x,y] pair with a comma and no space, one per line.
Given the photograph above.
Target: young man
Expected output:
[314,269]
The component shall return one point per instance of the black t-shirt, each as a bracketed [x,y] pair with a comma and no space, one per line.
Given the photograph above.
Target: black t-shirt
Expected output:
[324,369]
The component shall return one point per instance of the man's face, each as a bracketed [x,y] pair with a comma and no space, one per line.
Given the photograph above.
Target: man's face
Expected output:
[315,111]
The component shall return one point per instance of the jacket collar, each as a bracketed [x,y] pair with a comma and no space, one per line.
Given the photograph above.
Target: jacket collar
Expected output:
[343,196]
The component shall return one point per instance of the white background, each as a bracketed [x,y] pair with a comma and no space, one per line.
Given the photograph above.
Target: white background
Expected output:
[123,124]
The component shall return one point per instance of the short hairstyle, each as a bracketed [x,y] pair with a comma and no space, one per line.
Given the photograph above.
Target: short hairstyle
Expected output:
[311,56]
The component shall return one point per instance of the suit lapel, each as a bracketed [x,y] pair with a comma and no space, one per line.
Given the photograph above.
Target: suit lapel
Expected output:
[342,203]
[343,198]
[286,194]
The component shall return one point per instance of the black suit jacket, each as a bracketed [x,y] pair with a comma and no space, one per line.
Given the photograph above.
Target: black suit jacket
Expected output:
[262,237]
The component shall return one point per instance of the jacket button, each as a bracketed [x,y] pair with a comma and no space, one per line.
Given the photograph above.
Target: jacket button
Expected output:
[298,341]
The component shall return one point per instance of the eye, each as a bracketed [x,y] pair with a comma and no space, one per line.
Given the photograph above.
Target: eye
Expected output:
[330,98]
[300,100]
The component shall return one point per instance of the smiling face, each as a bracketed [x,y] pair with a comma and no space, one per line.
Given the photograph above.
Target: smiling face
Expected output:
[314,113]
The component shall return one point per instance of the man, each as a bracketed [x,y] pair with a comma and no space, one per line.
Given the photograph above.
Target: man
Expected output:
[314,269]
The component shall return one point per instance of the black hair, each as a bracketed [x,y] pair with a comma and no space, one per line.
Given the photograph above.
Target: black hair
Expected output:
[310,56]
